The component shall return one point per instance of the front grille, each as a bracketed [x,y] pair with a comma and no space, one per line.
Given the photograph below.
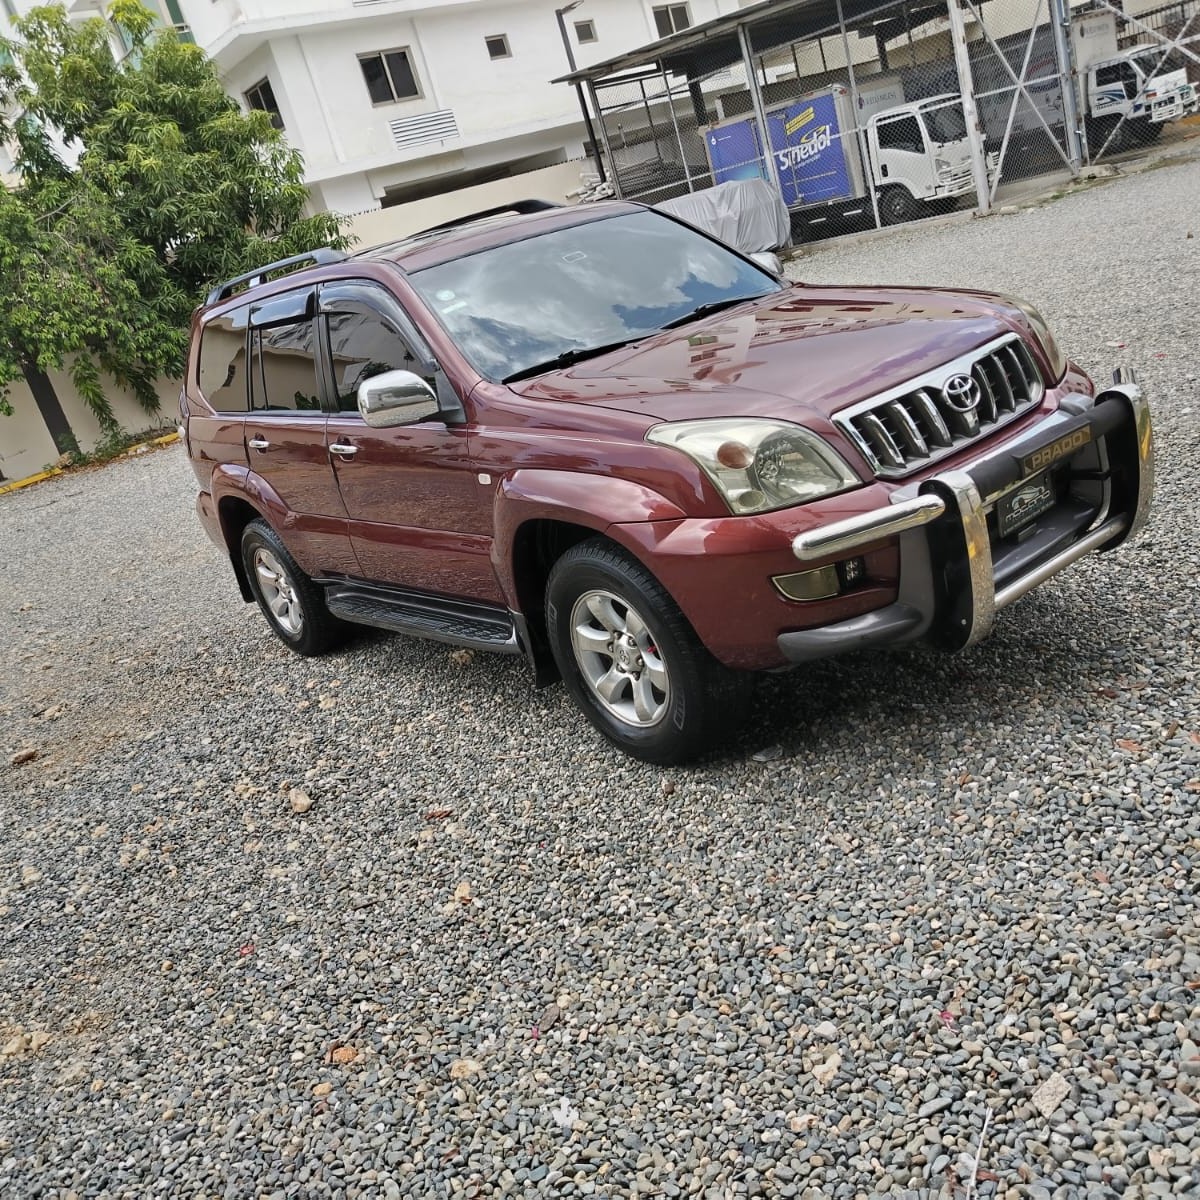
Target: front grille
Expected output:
[942,411]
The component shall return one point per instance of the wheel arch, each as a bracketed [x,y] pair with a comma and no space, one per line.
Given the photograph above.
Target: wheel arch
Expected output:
[539,515]
[235,513]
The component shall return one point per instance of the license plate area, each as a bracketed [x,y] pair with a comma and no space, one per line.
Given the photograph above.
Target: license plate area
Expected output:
[1024,504]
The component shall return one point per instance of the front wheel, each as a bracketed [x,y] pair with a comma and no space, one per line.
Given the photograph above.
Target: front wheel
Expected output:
[896,206]
[631,661]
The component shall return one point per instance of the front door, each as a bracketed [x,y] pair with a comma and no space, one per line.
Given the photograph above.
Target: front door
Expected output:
[285,436]
[418,516]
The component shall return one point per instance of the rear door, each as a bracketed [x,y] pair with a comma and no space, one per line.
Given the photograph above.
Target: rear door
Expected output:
[285,435]
[418,516]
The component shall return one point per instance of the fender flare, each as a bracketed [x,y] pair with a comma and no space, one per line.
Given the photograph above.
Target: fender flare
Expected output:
[596,502]
[236,482]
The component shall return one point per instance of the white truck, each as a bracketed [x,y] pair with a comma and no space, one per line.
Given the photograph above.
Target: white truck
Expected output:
[1134,86]
[914,156]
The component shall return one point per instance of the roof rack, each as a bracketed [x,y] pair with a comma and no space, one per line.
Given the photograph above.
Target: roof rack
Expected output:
[318,258]
[521,207]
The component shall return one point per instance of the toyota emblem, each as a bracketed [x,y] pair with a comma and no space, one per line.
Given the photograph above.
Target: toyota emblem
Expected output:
[962,393]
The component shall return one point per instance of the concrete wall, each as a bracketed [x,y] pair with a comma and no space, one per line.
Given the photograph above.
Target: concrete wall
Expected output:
[387,224]
[25,445]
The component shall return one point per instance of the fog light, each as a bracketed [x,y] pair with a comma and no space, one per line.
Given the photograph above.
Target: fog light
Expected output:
[819,584]
[852,571]
[823,583]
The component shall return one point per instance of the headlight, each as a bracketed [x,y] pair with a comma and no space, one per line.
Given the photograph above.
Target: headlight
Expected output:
[1058,360]
[759,465]
[943,167]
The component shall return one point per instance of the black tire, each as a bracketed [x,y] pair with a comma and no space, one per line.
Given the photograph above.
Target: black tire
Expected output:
[896,206]
[296,611]
[699,703]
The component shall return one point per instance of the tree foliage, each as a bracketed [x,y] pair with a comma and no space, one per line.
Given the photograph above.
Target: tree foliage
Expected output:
[174,188]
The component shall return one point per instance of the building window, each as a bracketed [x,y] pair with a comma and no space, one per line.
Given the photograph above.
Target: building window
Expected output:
[671,18]
[585,31]
[262,97]
[389,76]
[497,47]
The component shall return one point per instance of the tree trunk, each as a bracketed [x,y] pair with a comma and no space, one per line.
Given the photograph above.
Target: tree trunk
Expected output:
[46,399]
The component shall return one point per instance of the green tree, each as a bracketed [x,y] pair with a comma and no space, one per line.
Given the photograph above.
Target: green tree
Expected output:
[175,187]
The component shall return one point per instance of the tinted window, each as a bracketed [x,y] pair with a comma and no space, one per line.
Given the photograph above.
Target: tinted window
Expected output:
[363,344]
[946,124]
[904,134]
[284,374]
[223,362]
[514,306]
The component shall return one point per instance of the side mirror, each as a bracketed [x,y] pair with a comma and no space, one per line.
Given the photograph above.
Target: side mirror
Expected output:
[769,262]
[396,398]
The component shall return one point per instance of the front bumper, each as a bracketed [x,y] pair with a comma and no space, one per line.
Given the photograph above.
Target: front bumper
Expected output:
[956,572]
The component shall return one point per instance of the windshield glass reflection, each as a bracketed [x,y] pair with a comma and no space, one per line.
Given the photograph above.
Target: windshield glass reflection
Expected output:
[526,303]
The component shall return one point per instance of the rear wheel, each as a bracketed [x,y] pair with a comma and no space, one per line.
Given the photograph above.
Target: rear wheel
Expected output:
[293,605]
[631,661]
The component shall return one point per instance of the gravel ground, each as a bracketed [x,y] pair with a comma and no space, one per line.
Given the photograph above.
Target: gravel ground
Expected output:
[924,906]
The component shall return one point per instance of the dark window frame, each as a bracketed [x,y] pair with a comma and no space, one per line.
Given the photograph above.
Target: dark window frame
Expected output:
[666,17]
[502,40]
[256,99]
[383,56]
[590,25]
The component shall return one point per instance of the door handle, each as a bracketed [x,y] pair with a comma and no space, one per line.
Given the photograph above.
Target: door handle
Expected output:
[258,443]
[343,450]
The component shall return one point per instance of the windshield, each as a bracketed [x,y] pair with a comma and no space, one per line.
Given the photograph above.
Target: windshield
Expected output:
[608,281]
[946,124]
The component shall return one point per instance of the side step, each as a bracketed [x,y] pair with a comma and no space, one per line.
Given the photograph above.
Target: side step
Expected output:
[421,614]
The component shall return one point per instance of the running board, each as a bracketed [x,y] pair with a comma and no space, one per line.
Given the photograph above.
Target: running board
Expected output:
[421,614]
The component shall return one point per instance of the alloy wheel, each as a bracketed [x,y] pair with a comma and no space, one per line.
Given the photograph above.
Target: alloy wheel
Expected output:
[619,659]
[278,592]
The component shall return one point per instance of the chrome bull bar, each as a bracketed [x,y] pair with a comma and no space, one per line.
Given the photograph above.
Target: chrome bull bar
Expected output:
[958,502]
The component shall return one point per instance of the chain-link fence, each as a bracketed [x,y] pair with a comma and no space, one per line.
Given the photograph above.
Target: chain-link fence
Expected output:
[865,114]
[1133,93]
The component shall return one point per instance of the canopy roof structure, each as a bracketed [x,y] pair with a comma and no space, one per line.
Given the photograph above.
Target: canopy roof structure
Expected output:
[717,43]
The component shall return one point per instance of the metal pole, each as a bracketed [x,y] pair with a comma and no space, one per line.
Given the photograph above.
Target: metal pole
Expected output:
[650,118]
[683,162]
[1060,20]
[587,119]
[962,58]
[760,112]
[616,179]
[860,134]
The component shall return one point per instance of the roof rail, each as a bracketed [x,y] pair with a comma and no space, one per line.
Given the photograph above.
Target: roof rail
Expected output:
[521,207]
[319,257]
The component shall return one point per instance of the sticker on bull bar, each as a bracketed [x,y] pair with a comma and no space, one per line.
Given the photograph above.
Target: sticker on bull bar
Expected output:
[1055,451]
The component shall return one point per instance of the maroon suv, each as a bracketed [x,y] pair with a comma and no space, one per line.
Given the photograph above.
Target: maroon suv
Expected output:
[598,437]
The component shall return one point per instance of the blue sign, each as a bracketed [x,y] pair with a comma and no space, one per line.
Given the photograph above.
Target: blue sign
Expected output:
[810,151]
[807,143]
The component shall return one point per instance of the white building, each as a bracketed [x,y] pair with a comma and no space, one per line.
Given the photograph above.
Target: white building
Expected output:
[393,100]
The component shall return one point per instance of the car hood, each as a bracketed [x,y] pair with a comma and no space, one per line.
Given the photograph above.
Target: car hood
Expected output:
[805,348]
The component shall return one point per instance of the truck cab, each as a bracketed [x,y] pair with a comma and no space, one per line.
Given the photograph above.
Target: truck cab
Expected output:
[919,153]
[1133,86]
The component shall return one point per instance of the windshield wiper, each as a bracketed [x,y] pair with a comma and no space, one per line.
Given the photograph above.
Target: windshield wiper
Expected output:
[567,358]
[713,306]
